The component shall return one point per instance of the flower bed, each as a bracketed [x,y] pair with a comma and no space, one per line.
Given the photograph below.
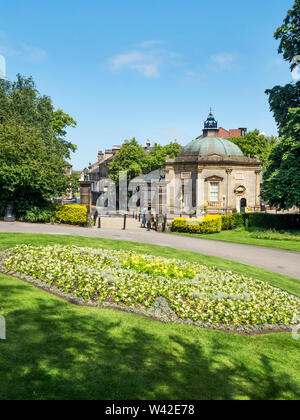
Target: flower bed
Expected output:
[166,289]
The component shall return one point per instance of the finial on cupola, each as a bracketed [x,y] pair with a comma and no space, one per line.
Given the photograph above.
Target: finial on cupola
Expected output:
[211,122]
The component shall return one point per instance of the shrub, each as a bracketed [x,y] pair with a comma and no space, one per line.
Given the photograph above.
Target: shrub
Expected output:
[228,222]
[70,214]
[53,213]
[238,220]
[37,215]
[210,224]
[274,221]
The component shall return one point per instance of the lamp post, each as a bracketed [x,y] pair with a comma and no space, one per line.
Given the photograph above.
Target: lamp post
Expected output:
[85,193]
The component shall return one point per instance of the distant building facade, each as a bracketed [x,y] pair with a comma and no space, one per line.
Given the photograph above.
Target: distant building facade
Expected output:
[210,175]
[100,169]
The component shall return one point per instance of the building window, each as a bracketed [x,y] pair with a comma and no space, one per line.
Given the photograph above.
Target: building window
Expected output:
[214,191]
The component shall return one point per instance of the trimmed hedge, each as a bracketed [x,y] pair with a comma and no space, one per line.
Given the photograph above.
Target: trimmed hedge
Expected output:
[239,220]
[70,214]
[232,222]
[210,224]
[228,223]
[274,221]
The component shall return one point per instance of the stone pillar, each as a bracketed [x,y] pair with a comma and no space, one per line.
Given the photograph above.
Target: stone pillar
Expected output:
[200,191]
[86,195]
[229,191]
[257,194]
[170,178]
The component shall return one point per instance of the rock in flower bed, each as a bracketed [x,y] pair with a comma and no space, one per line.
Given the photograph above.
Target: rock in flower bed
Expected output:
[166,289]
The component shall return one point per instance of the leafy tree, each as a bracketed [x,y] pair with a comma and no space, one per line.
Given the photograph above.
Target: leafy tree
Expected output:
[158,154]
[74,182]
[33,148]
[281,98]
[29,167]
[255,144]
[282,178]
[289,35]
[131,158]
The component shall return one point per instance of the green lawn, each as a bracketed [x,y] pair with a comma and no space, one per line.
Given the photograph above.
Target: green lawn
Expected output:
[55,350]
[287,240]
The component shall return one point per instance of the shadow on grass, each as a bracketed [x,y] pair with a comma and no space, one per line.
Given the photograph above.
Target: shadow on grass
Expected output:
[57,351]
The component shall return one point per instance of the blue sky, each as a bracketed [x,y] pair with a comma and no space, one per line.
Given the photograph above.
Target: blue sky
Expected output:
[149,69]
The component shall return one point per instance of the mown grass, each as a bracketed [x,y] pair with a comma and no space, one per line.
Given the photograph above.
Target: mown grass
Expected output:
[252,236]
[55,350]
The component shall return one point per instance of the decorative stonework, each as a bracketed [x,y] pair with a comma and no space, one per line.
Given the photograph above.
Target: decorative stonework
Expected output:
[214,178]
[240,190]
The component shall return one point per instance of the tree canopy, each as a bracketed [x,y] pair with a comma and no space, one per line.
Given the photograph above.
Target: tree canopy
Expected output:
[133,159]
[157,156]
[281,98]
[255,144]
[33,147]
[289,35]
[282,177]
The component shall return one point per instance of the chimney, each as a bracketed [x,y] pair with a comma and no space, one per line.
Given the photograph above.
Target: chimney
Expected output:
[116,149]
[100,156]
[108,153]
[243,131]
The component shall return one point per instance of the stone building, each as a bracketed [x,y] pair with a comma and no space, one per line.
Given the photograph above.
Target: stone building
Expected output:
[210,175]
[98,171]
[216,174]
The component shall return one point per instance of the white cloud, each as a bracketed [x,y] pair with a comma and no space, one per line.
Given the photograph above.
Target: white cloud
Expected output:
[2,67]
[8,51]
[150,43]
[146,63]
[30,52]
[34,53]
[223,61]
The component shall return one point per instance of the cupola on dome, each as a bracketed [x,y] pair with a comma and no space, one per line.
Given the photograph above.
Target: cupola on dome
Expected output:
[210,144]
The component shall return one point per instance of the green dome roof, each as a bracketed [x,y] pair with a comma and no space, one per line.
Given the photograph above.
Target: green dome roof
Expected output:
[210,146]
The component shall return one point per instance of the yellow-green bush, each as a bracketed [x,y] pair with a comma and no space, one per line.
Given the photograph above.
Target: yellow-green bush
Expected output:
[210,224]
[228,222]
[70,214]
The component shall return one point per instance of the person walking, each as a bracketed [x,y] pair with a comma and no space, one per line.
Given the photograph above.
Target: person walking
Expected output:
[149,219]
[143,222]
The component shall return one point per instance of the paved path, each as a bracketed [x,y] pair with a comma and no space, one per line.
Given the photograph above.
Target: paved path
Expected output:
[277,260]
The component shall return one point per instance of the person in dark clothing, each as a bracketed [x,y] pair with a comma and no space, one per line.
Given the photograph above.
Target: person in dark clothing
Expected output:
[149,219]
